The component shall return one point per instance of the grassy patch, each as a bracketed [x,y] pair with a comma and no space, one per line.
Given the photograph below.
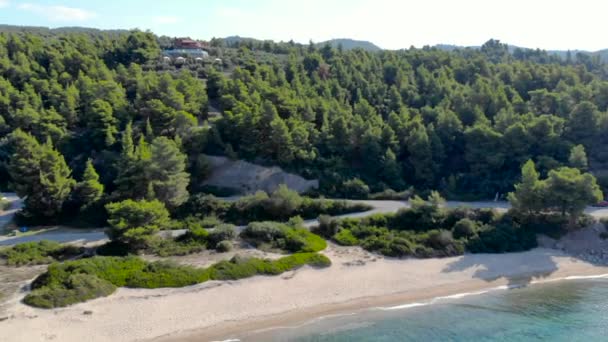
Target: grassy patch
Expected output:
[38,253]
[80,280]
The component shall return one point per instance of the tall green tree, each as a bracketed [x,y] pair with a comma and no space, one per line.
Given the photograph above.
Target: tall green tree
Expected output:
[135,222]
[569,191]
[578,158]
[40,174]
[167,174]
[528,196]
[89,190]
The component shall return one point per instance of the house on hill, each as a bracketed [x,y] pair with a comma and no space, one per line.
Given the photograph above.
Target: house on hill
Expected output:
[186,43]
[184,49]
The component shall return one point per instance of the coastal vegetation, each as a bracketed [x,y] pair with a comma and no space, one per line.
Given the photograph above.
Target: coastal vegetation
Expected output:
[76,281]
[96,130]
[427,229]
[38,253]
[290,238]
[280,205]
[93,118]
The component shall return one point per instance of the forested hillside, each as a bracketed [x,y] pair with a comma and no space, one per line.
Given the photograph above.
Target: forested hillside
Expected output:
[92,115]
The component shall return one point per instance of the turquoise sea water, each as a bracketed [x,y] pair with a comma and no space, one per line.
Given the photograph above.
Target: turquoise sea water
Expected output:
[570,310]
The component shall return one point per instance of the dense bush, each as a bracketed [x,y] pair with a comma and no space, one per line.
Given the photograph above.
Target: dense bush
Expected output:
[74,289]
[238,268]
[224,246]
[345,238]
[133,222]
[392,195]
[221,233]
[37,253]
[178,246]
[281,205]
[465,228]
[354,188]
[327,227]
[77,281]
[274,235]
[429,230]
[501,239]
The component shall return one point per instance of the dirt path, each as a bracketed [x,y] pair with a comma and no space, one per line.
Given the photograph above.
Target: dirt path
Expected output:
[379,207]
[6,216]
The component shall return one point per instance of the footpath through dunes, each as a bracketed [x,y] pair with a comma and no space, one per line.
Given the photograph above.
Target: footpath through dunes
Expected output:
[64,235]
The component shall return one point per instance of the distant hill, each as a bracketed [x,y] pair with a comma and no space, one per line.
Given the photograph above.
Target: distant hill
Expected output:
[59,30]
[349,44]
[603,54]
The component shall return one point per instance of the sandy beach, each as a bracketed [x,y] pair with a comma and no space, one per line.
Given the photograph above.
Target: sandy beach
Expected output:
[219,310]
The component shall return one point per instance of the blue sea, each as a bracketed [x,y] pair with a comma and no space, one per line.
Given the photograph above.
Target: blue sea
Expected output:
[568,310]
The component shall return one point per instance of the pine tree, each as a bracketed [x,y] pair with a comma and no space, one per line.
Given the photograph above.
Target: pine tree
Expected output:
[578,158]
[40,174]
[89,190]
[527,197]
[167,174]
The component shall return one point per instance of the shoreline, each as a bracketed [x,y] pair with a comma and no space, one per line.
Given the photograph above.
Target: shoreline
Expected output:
[236,331]
[217,311]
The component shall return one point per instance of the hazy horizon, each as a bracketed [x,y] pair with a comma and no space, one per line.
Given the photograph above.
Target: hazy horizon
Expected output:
[549,25]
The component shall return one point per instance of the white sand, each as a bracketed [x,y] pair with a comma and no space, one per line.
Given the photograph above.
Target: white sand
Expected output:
[217,310]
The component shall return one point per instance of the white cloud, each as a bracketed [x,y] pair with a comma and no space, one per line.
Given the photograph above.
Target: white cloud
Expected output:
[58,12]
[166,19]
[4,3]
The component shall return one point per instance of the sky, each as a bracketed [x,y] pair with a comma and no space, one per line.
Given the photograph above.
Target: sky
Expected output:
[390,24]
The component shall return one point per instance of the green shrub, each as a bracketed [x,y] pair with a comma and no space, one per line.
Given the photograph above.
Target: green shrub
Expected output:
[327,227]
[502,238]
[266,231]
[75,289]
[399,247]
[202,205]
[38,253]
[355,188]
[221,233]
[464,228]
[132,222]
[422,216]
[182,245]
[443,243]
[283,202]
[392,195]
[80,280]
[281,205]
[345,238]
[281,236]
[224,246]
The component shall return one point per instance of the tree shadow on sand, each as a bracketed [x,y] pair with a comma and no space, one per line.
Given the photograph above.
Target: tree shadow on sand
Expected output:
[518,269]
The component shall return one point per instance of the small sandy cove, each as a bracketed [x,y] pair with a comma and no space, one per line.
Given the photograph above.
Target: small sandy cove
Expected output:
[219,310]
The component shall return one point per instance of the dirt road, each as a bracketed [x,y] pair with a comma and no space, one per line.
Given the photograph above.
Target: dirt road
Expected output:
[379,207]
